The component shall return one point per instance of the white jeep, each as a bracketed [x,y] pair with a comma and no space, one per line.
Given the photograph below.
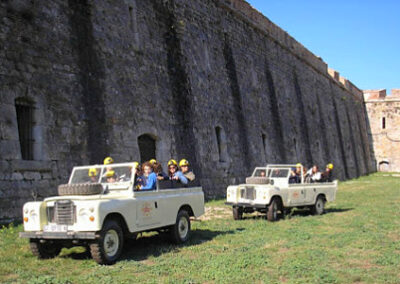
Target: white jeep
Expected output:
[268,191]
[100,215]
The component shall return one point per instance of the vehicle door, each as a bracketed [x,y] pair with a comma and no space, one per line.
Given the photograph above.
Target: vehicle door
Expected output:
[147,209]
[296,194]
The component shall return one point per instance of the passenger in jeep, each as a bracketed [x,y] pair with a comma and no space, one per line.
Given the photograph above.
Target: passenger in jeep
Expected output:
[149,177]
[111,177]
[327,176]
[313,175]
[161,175]
[184,166]
[174,173]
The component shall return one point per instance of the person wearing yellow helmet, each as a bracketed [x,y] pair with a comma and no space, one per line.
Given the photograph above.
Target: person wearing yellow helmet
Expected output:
[93,175]
[327,176]
[111,176]
[108,161]
[184,167]
[174,173]
[172,162]
[153,161]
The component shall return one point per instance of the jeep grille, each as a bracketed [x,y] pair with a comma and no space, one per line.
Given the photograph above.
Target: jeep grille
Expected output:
[64,212]
[248,193]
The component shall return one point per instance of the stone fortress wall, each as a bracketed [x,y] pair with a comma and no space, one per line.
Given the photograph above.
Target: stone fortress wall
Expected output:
[384,119]
[213,81]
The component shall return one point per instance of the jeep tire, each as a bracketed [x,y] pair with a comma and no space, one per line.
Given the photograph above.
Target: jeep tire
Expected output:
[319,207]
[237,213]
[44,250]
[273,208]
[80,189]
[180,232]
[107,249]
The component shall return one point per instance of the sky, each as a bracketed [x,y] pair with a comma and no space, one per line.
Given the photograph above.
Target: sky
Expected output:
[358,38]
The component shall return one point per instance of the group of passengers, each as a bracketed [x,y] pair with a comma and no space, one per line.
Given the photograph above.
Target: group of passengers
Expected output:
[147,173]
[312,175]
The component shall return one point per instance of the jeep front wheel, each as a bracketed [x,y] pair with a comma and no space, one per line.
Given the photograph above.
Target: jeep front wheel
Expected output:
[274,207]
[181,230]
[44,250]
[237,213]
[107,249]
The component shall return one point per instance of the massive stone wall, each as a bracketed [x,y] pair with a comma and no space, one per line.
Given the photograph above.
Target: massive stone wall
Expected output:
[211,81]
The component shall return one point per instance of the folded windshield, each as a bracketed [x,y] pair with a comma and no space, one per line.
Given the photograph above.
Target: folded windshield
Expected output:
[102,174]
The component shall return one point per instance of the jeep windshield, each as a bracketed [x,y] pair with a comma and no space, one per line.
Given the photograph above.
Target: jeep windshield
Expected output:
[115,176]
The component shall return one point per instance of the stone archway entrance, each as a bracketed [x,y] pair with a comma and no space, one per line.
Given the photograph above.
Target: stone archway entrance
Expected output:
[147,147]
[384,166]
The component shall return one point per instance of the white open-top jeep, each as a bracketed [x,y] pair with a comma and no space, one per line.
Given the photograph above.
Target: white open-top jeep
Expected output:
[268,190]
[100,215]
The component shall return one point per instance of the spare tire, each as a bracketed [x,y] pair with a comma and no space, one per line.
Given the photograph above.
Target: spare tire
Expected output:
[257,180]
[80,189]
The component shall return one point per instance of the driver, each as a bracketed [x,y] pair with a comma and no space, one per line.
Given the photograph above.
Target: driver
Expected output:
[93,175]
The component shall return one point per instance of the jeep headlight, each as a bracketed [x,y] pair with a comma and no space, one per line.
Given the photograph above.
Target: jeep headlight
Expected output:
[83,212]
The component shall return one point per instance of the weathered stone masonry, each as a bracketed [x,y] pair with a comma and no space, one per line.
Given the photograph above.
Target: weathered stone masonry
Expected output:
[210,80]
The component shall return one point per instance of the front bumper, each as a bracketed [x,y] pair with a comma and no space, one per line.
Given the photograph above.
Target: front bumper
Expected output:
[60,236]
[246,205]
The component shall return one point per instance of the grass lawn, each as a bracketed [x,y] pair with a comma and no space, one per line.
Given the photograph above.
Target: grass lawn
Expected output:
[356,241]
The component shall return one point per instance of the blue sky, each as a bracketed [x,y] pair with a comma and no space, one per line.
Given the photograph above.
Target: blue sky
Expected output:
[360,39]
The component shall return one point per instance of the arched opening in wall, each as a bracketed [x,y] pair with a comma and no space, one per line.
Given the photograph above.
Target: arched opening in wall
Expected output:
[383,122]
[147,147]
[384,166]
[264,144]
[222,144]
[25,118]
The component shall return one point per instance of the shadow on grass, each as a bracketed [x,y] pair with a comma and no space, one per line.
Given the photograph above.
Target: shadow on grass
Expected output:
[156,245]
[153,245]
[296,213]
[307,212]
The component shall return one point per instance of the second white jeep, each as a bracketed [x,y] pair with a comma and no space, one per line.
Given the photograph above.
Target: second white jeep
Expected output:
[268,190]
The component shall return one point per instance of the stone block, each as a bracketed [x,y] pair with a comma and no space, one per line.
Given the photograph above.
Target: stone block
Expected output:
[32,176]
[17,176]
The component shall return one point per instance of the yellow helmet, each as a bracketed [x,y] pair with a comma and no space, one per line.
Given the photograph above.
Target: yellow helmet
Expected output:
[329,166]
[298,165]
[110,174]
[135,164]
[153,161]
[108,161]
[172,162]
[92,172]
[183,162]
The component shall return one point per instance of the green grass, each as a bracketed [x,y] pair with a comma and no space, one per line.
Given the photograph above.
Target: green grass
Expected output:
[357,241]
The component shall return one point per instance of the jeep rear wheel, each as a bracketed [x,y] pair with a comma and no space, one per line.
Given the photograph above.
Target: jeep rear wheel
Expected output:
[237,213]
[181,230]
[44,250]
[107,249]
[273,210]
[319,206]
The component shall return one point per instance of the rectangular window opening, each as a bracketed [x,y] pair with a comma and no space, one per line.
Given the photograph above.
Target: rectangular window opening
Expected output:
[383,122]
[25,122]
